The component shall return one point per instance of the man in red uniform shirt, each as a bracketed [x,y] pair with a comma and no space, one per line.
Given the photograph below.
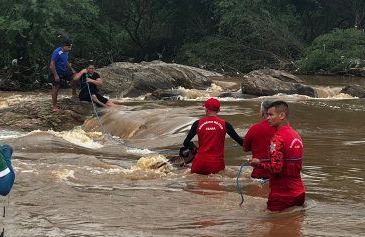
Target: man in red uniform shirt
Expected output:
[286,158]
[211,132]
[257,140]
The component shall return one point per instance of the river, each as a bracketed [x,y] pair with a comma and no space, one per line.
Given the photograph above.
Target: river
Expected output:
[84,182]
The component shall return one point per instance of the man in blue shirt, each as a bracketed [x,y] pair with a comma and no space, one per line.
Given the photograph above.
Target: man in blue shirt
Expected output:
[61,70]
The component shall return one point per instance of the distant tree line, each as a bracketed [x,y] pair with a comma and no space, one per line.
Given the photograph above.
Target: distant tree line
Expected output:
[229,35]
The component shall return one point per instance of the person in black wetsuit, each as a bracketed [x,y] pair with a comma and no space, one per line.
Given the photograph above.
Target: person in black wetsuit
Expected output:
[90,81]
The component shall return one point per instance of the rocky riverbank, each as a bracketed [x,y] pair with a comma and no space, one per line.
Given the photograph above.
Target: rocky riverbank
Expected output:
[155,80]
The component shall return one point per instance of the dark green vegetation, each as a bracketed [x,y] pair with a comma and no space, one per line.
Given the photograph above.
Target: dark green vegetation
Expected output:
[233,35]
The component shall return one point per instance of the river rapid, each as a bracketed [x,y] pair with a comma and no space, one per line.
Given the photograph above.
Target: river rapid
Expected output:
[92,182]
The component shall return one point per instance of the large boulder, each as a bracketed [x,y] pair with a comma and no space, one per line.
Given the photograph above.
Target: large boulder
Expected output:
[37,114]
[354,90]
[266,82]
[135,79]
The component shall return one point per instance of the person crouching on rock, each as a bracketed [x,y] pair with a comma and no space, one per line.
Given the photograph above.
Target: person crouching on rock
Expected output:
[90,81]
[7,174]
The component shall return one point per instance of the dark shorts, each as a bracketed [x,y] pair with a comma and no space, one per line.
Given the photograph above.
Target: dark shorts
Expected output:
[86,97]
[64,78]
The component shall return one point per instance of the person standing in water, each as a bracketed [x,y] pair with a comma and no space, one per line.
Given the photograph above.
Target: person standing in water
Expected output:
[285,161]
[211,132]
[257,140]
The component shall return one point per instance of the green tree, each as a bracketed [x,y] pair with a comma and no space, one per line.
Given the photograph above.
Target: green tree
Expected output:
[334,52]
[253,33]
[30,27]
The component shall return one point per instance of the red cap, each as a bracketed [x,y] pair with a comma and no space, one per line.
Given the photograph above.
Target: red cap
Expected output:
[212,104]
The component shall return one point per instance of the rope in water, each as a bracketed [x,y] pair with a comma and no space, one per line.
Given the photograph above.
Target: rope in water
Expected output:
[262,181]
[239,190]
[245,163]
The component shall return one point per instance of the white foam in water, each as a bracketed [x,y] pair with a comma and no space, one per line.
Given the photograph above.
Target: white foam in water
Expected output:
[79,137]
[351,143]
[76,136]
[63,175]
[139,151]
[153,162]
[9,134]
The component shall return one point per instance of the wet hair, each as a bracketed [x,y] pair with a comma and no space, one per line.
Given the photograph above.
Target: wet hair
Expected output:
[280,107]
[265,106]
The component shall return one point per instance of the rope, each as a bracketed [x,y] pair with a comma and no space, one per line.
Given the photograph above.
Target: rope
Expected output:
[3,201]
[261,181]
[104,131]
[245,163]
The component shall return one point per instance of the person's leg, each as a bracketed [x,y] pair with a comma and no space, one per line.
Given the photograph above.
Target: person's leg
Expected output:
[55,90]
[111,104]
[104,100]
[97,102]
[69,76]
[84,96]
[54,93]
[73,88]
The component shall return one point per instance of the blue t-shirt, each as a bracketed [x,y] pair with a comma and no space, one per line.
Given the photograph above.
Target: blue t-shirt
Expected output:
[60,58]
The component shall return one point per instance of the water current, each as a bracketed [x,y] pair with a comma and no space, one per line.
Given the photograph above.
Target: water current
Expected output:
[84,182]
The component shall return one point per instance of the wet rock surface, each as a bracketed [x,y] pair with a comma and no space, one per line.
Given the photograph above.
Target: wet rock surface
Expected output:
[134,79]
[354,90]
[270,82]
[37,114]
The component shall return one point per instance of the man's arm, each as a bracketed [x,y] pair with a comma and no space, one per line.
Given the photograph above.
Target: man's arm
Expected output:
[191,134]
[69,66]
[95,79]
[78,75]
[247,141]
[233,134]
[276,156]
[52,67]
[97,82]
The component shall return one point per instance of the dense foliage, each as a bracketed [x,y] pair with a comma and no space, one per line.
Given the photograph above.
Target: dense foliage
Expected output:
[230,35]
[334,52]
